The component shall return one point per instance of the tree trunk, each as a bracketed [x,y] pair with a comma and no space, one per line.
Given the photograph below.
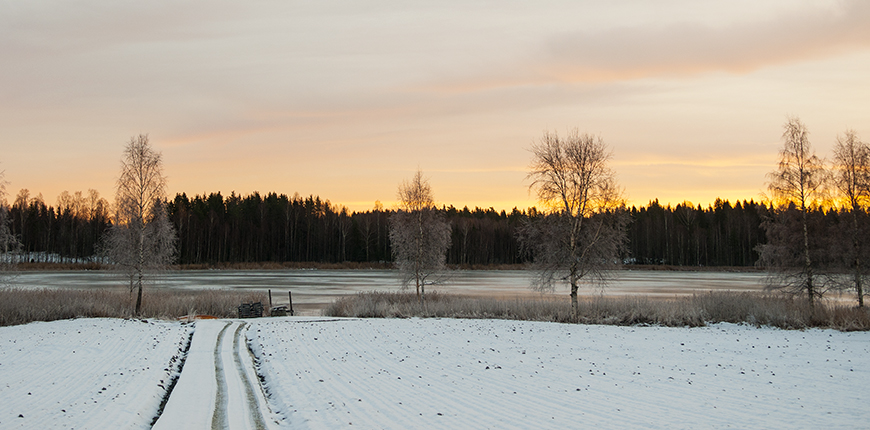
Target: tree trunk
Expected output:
[573,276]
[139,295]
[859,290]
[419,260]
[574,305]
[140,267]
[808,268]
[419,287]
[422,295]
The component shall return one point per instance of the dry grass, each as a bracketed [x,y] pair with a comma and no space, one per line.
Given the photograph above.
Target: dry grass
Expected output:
[697,310]
[20,306]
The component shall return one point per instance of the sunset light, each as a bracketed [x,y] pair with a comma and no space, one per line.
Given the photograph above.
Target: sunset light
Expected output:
[282,214]
[343,100]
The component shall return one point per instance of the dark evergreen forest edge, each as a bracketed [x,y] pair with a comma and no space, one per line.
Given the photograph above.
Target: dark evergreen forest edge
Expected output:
[279,231]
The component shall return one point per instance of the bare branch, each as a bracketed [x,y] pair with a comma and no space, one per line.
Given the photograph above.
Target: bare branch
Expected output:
[419,236]
[9,243]
[141,239]
[796,186]
[581,238]
[852,180]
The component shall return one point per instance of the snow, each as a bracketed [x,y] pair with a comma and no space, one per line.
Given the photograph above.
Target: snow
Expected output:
[503,374]
[320,372]
[196,385]
[220,384]
[87,373]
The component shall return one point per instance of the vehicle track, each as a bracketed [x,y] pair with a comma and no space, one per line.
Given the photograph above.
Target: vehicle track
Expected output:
[250,393]
[217,388]
[219,416]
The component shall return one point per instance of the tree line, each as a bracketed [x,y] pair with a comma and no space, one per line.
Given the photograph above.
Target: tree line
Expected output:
[71,229]
[809,234]
[686,235]
[281,228]
[213,228]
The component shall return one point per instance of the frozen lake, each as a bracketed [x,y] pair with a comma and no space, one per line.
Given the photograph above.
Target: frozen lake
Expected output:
[313,289]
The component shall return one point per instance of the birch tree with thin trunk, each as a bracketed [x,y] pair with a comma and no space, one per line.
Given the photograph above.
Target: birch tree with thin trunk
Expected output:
[419,236]
[581,237]
[8,241]
[796,185]
[6,238]
[141,240]
[852,180]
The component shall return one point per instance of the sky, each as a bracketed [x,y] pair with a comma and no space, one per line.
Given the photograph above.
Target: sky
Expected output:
[346,99]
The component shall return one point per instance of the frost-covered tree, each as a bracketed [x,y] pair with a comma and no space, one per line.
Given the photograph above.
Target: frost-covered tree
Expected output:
[795,187]
[8,242]
[5,219]
[583,233]
[852,181]
[141,239]
[419,236]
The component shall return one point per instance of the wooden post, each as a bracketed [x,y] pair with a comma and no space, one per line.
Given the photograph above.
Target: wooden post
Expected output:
[290,295]
[270,299]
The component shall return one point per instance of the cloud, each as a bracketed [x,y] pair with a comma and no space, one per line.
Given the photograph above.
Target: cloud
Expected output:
[689,48]
[719,162]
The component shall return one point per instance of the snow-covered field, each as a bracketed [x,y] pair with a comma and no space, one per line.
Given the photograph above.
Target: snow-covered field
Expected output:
[430,373]
[87,373]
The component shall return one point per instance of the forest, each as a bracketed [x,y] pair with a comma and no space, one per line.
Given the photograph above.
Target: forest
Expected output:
[214,229]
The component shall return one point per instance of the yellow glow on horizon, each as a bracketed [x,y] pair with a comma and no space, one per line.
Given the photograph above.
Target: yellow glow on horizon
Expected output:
[344,102]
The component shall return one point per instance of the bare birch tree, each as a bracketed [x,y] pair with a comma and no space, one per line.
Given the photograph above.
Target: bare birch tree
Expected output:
[8,242]
[797,185]
[583,233]
[5,232]
[141,239]
[2,188]
[419,236]
[852,180]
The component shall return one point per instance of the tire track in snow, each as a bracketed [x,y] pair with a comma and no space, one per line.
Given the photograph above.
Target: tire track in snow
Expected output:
[251,399]
[216,387]
[219,417]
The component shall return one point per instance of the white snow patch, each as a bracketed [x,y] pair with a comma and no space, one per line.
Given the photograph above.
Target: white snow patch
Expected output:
[444,373]
[86,373]
[438,373]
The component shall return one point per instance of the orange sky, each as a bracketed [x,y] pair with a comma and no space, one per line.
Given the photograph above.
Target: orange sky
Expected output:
[345,100]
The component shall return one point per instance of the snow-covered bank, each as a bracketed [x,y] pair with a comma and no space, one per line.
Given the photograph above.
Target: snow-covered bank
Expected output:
[506,374]
[86,373]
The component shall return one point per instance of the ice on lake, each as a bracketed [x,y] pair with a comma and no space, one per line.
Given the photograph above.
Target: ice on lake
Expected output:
[314,289]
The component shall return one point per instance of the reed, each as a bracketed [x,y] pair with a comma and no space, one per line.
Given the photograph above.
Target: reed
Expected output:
[757,309]
[21,306]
